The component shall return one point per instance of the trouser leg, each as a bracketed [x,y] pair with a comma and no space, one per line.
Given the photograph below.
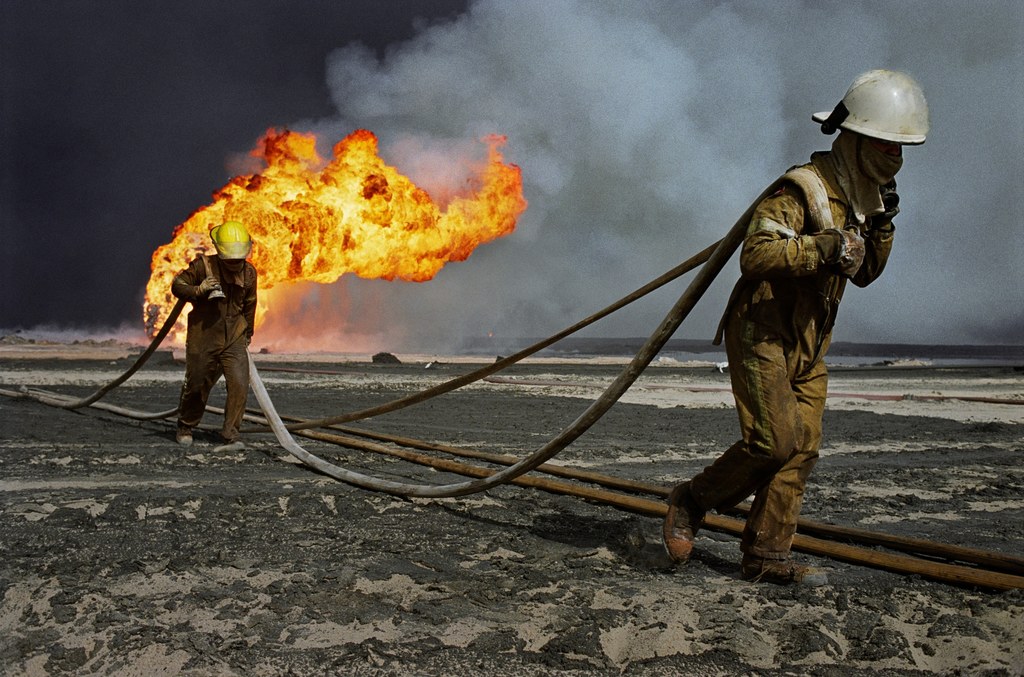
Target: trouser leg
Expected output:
[201,373]
[769,421]
[732,477]
[235,362]
[771,524]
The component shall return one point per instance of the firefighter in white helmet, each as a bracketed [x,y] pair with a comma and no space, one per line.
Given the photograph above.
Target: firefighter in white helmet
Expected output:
[222,290]
[795,262]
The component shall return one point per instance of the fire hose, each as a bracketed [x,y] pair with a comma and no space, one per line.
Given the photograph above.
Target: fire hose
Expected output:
[991,560]
[716,261]
[68,403]
[713,258]
[996,571]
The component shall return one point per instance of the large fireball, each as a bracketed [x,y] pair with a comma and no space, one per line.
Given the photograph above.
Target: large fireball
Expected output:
[316,221]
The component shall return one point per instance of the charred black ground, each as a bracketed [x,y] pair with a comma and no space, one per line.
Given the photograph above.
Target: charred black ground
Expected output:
[122,549]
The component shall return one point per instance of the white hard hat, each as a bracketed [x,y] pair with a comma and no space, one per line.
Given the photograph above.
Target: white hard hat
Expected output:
[882,104]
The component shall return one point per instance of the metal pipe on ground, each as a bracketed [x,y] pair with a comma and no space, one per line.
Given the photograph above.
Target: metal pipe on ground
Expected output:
[991,560]
[902,564]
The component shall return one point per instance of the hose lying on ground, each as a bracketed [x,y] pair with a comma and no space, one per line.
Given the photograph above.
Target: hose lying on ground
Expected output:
[69,403]
[997,572]
[720,253]
[902,564]
[63,401]
[723,251]
[994,561]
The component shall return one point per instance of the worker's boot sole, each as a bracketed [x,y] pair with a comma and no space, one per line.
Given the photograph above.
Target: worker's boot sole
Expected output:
[682,521]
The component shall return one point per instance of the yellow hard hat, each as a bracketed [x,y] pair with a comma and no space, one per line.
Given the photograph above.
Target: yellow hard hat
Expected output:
[231,240]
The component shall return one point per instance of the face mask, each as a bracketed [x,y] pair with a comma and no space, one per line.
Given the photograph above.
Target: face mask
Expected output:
[861,169]
[876,164]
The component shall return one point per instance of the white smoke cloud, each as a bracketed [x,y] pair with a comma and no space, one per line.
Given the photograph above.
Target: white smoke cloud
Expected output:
[644,129]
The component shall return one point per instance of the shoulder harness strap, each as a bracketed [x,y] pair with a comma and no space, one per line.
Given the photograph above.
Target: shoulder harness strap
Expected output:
[816,197]
[813,188]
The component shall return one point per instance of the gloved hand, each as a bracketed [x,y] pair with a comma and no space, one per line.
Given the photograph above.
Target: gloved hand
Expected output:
[208,285]
[844,248]
[891,202]
[851,252]
[828,243]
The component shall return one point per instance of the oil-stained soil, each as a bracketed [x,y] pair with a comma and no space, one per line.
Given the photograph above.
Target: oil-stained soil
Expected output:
[124,553]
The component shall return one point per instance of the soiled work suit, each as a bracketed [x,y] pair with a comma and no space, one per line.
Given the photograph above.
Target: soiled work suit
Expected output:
[219,330]
[778,326]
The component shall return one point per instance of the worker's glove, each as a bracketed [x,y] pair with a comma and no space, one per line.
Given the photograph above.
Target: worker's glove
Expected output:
[208,285]
[828,243]
[851,252]
[891,203]
[845,248]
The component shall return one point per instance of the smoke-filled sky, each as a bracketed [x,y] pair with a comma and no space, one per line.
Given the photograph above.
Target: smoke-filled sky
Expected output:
[643,130]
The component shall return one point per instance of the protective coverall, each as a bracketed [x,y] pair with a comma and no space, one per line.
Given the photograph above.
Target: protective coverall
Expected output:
[777,327]
[219,330]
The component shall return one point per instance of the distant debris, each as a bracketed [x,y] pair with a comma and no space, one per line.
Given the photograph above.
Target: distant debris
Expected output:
[433,364]
[15,340]
[904,363]
[264,350]
[722,367]
[385,358]
[105,343]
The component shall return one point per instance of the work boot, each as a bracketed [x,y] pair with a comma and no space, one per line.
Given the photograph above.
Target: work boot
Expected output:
[184,437]
[237,445]
[778,571]
[682,521]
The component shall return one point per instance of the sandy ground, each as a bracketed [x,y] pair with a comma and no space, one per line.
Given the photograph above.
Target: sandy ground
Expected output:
[126,554]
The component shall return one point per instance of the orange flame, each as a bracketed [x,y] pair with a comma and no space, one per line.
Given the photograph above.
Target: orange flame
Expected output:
[312,221]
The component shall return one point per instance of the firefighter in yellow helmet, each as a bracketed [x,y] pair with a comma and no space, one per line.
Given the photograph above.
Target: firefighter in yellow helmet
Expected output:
[802,246]
[222,290]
